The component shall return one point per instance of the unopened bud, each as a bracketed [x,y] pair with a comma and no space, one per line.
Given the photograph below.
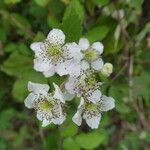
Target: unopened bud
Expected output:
[107,69]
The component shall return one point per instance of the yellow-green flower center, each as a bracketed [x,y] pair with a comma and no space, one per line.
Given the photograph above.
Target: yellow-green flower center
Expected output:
[91,55]
[54,50]
[91,106]
[46,105]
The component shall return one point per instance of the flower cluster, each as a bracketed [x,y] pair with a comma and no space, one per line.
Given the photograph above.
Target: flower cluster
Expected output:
[80,63]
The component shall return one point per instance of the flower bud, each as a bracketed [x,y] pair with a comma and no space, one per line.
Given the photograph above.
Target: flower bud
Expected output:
[107,69]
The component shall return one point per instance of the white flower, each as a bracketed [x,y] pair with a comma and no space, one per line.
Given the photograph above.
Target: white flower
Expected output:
[92,54]
[54,56]
[92,112]
[85,86]
[107,69]
[49,108]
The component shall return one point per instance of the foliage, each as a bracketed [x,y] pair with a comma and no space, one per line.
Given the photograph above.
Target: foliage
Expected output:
[122,26]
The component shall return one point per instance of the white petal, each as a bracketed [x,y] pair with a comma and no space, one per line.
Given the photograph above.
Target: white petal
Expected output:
[49,73]
[81,102]
[58,94]
[95,96]
[72,50]
[84,44]
[98,47]
[68,96]
[61,69]
[39,115]
[77,119]
[59,120]
[84,65]
[56,37]
[98,64]
[38,88]
[107,103]
[70,85]
[94,121]
[36,47]
[74,69]
[45,122]
[30,100]
[40,65]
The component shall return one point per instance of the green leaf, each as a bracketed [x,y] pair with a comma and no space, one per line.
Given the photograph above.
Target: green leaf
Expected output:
[136,3]
[70,130]
[70,144]
[21,66]
[5,118]
[53,21]
[120,92]
[72,21]
[12,1]
[41,3]
[141,84]
[111,45]
[97,33]
[19,20]
[17,65]
[90,140]
[101,2]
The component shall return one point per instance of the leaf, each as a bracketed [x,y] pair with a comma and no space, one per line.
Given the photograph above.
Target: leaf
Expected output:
[51,141]
[101,2]
[97,33]
[136,3]
[70,144]
[12,1]
[53,21]
[90,140]
[72,21]
[5,118]
[141,84]
[22,67]
[69,130]
[17,65]
[111,45]
[41,3]
[120,92]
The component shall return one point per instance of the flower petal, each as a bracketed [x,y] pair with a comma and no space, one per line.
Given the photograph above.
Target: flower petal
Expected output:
[56,37]
[45,122]
[49,73]
[70,85]
[98,64]
[38,88]
[72,50]
[84,65]
[61,69]
[30,100]
[95,96]
[74,69]
[37,48]
[98,47]
[94,121]
[77,119]
[84,44]
[40,65]
[107,103]
[68,96]
[39,115]
[58,94]
[59,120]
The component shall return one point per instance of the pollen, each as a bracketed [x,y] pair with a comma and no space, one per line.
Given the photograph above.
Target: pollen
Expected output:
[54,50]
[91,55]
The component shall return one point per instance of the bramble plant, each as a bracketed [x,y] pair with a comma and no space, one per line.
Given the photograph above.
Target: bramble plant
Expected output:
[80,62]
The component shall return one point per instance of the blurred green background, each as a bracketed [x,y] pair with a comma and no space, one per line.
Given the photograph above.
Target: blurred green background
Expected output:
[123,26]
